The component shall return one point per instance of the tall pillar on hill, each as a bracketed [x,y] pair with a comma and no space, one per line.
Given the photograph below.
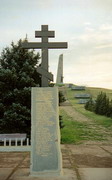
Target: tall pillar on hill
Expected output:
[59,79]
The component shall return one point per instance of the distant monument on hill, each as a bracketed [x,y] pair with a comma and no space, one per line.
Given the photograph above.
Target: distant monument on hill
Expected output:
[59,79]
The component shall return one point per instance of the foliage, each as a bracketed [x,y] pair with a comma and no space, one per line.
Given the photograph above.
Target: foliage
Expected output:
[61,97]
[90,105]
[102,105]
[61,100]
[61,123]
[17,75]
[98,119]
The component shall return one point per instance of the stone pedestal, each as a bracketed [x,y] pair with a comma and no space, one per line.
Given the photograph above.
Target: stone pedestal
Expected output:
[46,157]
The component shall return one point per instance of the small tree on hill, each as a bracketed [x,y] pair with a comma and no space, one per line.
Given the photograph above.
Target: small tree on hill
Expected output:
[110,109]
[102,104]
[17,75]
[90,105]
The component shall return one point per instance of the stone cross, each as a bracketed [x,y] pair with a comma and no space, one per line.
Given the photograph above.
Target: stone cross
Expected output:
[44,45]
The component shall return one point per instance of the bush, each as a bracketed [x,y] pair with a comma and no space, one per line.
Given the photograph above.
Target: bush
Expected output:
[61,97]
[61,124]
[101,105]
[90,105]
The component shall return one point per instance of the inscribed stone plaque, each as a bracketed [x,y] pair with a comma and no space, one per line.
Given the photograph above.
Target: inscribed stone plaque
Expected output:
[45,134]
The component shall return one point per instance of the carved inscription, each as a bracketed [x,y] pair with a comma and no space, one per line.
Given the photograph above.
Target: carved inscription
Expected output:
[41,97]
[45,135]
[44,123]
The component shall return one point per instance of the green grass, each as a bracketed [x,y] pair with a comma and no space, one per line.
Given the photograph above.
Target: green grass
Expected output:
[95,91]
[76,132]
[98,119]
[91,90]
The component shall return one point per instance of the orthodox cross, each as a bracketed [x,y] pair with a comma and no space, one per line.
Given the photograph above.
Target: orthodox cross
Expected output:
[44,45]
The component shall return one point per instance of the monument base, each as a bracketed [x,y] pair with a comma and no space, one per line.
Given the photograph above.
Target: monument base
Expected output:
[68,174]
[47,174]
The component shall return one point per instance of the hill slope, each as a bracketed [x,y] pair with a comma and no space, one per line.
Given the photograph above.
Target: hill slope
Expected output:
[82,125]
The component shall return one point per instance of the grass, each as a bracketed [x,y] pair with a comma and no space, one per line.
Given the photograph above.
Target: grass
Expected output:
[76,132]
[95,91]
[98,119]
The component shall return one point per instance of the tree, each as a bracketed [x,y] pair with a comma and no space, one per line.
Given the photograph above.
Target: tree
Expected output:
[17,75]
[90,105]
[102,104]
[110,109]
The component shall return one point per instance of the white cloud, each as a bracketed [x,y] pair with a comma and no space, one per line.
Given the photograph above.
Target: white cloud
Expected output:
[106,27]
[105,4]
[87,23]
[92,37]
[93,72]
[102,46]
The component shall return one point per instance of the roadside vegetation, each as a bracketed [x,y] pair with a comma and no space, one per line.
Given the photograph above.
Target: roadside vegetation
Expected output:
[99,119]
[98,128]
[75,132]
[101,105]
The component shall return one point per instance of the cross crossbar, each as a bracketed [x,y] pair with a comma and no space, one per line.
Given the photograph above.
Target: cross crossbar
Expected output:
[44,34]
[39,45]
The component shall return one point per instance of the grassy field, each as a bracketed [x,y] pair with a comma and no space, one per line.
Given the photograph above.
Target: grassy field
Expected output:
[76,132]
[93,91]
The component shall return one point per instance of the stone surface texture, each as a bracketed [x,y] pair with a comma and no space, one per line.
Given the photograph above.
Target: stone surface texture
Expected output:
[45,133]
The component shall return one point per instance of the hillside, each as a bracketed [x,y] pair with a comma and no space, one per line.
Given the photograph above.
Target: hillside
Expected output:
[81,125]
[94,91]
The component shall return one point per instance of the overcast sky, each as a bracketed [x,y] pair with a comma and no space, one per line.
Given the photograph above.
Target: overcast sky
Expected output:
[85,24]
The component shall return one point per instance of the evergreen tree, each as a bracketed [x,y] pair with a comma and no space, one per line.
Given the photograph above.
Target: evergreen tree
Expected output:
[110,109]
[90,105]
[17,75]
[102,104]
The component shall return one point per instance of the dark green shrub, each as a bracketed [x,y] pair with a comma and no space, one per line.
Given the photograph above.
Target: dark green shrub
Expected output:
[90,105]
[61,97]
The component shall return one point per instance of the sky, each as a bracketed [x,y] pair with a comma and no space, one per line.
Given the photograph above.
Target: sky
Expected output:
[85,24]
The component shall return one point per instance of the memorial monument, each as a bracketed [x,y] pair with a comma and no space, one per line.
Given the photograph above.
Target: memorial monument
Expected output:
[59,79]
[44,46]
[46,157]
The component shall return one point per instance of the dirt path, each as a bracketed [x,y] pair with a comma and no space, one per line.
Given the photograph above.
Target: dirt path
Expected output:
[76,116]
